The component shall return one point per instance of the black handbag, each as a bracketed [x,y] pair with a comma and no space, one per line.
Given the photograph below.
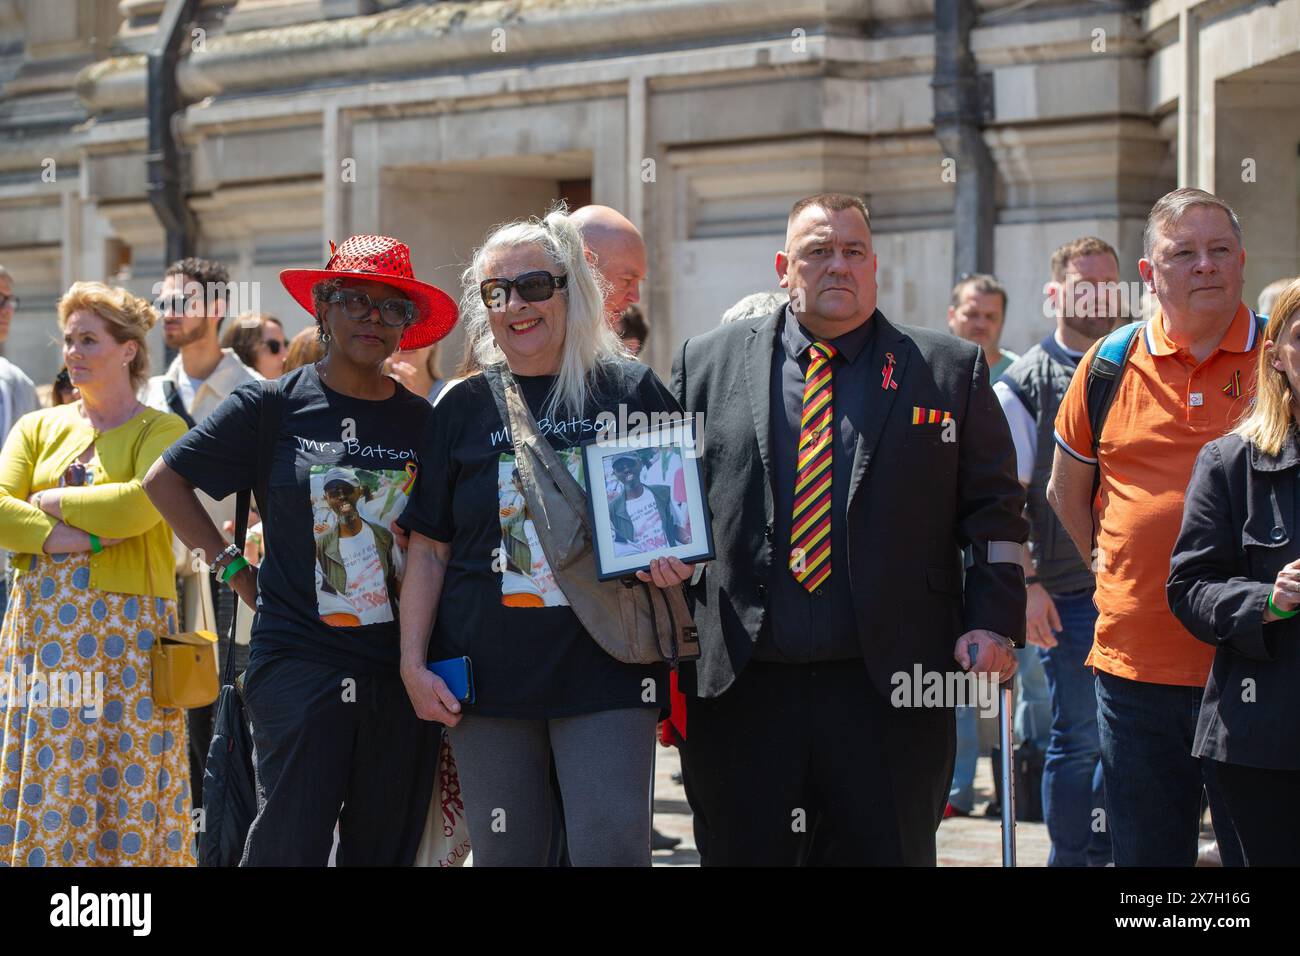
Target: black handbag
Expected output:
[229,789]
[1028,761]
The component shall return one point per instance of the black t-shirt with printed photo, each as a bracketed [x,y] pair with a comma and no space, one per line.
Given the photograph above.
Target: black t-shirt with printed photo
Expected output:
[341,472]
[530,654]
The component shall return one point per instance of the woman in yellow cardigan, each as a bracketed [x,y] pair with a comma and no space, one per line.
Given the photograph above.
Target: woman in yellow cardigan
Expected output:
[91,772]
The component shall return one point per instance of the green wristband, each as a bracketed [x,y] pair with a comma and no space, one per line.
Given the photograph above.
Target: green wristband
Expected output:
[1278,611]
[233,568]
[95,546]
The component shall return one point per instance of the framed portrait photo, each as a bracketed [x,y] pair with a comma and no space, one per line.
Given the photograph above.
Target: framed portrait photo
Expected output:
[646,498]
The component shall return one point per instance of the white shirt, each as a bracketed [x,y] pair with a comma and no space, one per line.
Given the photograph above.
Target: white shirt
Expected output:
[367,590]
[187,388]
[647,526]
[199,395]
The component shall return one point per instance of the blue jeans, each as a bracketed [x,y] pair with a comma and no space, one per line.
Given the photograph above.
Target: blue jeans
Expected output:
[1072,777]
[1033,718]
[1153,783]
[962,793]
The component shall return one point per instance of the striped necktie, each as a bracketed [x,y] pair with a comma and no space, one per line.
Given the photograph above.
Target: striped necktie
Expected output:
[810,531]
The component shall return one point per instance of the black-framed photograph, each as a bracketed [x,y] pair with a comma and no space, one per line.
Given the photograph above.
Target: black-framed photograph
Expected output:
[646,498]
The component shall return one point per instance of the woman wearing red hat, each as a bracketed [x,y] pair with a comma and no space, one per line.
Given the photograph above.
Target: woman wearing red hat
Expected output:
[334,735]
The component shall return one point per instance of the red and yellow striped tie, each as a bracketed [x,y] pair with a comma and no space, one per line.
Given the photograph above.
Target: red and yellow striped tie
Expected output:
[810,532]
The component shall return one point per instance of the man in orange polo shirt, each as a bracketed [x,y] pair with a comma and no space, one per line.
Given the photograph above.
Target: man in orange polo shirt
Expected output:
[1187,381]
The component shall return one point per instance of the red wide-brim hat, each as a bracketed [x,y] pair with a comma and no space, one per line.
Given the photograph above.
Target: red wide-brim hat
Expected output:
[380,259]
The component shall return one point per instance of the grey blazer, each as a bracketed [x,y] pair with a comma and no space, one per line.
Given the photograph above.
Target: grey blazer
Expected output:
[19,395]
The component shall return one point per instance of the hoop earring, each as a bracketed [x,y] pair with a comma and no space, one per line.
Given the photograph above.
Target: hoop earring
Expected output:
[324,338]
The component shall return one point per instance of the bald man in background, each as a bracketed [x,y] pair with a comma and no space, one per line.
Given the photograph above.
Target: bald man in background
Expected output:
[616,249]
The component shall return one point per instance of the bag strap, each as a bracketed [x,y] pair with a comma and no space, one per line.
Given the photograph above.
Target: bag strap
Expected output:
[1104,374]
[174,402]
[207,613]
[517,416]
[241,531]
[675,631]
[269,412]
[685,633]
[268,430]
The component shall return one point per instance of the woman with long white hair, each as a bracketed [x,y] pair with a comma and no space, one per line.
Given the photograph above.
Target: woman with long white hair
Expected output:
[544,686]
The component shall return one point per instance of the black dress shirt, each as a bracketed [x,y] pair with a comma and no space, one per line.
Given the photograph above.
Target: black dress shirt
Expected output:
[803,626]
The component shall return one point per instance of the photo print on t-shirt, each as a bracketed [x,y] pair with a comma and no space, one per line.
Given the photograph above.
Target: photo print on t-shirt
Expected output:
[527,580]
[646,490]
[358,561]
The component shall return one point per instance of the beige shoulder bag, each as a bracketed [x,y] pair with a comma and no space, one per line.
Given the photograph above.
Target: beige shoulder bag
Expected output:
[633,622]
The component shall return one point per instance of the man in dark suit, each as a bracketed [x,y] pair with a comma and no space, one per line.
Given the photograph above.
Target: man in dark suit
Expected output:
[848,462]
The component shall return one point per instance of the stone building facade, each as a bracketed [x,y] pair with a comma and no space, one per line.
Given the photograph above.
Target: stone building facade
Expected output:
[309,120]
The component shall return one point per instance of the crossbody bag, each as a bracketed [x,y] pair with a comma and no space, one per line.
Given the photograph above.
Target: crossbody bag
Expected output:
[633,622]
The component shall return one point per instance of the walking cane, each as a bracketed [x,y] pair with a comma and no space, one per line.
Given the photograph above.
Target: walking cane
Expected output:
[1006,746]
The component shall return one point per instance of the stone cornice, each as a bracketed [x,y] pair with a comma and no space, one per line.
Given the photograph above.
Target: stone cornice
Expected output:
[435,37]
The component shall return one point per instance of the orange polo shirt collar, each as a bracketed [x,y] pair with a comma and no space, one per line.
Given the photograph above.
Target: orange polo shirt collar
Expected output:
[1240,336]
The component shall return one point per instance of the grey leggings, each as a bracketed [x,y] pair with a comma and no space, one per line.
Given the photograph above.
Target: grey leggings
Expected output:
[604,762]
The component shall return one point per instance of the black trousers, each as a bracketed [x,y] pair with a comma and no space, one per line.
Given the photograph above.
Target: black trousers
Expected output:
[1265,808]
[800,759]
[326,750]
[199,719]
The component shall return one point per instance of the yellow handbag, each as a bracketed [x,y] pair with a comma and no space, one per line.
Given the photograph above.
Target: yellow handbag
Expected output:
[185,665]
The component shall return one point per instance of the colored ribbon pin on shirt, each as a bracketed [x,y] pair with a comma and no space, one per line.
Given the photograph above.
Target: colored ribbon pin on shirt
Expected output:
[887,373]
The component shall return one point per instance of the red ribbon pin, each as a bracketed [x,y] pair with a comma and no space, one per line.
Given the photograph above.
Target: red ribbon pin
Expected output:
[887,373]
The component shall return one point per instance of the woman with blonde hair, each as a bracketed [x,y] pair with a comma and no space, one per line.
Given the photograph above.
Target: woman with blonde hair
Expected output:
[1234,582]
[545,688]
[91,771]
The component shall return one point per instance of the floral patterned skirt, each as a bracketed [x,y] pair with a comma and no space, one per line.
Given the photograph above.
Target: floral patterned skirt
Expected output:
[91,772]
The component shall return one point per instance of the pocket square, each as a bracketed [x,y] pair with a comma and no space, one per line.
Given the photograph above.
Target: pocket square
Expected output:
[929,416]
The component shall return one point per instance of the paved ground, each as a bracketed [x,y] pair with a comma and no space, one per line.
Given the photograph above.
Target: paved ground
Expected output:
[963,841]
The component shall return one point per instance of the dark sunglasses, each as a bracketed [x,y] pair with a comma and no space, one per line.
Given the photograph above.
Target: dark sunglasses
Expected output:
[173,305]
[273,346]
[532,286]
[357,305]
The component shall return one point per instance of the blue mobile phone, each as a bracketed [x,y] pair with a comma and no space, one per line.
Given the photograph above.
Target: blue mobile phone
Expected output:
[458,674]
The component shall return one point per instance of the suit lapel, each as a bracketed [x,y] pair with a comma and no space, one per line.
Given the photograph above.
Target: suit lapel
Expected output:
[758,372]
[880,403]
